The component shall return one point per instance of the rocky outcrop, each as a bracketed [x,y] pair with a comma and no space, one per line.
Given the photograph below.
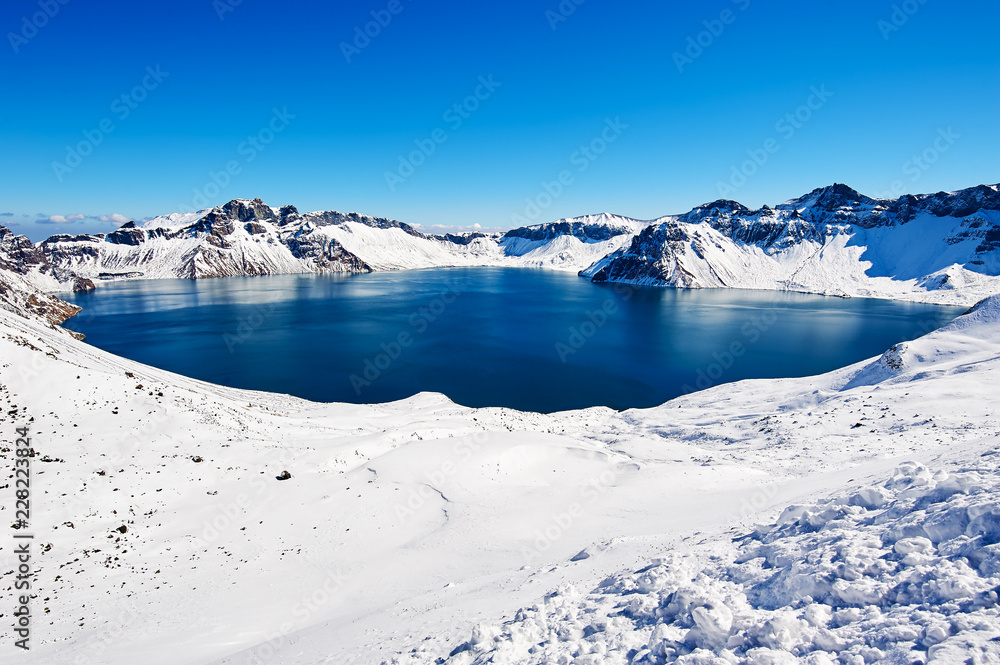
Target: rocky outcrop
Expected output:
[19,296]
[326,254]
[248,211]
[334,218]
[127,234]
[581,230]
[656,256]
[22,264]
[53,310]
[463,238]
[83,284]
[841,203]
[20,255]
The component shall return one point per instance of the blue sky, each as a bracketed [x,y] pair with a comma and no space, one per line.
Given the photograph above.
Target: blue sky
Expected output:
[161,97]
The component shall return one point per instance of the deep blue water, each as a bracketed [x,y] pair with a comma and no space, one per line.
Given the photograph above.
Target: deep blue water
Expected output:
[529,339]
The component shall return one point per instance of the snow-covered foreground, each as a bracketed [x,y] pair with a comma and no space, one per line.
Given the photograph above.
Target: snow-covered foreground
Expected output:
[414,530]
[894,572]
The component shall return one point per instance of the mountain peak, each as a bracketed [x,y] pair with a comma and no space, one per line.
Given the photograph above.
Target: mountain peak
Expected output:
[830,198]
[246,210]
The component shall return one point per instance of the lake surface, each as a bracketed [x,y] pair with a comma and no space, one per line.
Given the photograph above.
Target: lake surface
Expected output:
[528,339]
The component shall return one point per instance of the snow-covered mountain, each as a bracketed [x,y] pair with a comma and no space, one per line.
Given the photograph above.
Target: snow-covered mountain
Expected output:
[568,242]
[247,238]
[938,248]
[934,248]
[250,238]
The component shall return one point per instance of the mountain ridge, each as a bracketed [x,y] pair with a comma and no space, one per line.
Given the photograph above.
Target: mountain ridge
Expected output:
[940,247]
[832,240]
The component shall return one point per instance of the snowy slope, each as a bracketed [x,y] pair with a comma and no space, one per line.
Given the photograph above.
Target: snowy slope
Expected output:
[395,249]
[405,525]
[905,569]
[176,220]
[566,243]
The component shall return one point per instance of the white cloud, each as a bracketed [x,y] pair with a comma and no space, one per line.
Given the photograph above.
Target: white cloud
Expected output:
[114,217]
[63,219]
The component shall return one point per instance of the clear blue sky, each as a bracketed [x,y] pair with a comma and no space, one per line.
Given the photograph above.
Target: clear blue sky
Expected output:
[893,94]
